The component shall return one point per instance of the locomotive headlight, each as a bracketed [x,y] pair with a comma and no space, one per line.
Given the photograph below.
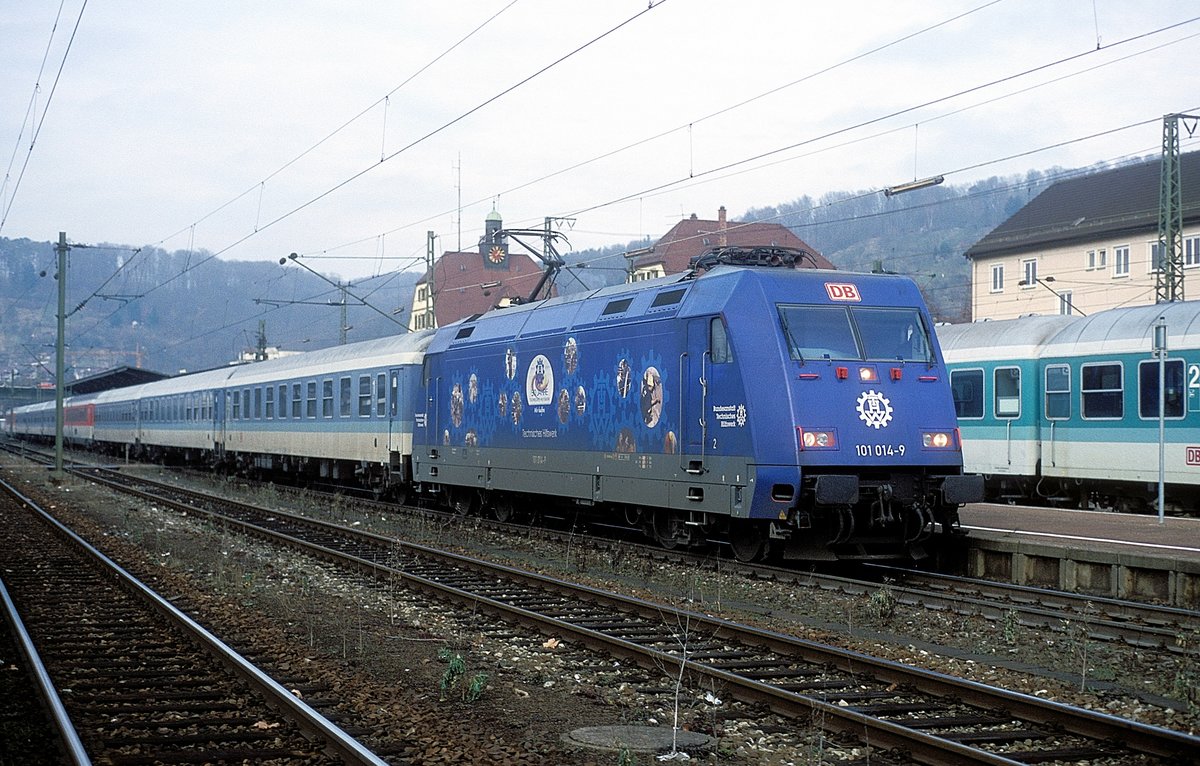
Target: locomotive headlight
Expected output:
[937,440]
[817,439]
[867,374]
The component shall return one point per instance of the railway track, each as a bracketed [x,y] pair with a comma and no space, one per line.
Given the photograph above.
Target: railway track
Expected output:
[1143,625]
[932,718]
[131,679]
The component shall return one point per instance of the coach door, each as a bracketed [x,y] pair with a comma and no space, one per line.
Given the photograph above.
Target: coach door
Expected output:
[693,399]
[395,427]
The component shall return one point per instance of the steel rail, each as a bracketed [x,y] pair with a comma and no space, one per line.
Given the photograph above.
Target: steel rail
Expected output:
[927,748]
[336,741]
[64,727]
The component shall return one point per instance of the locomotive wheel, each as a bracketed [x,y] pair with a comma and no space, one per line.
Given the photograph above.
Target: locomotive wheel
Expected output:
[503,509]
[464,501]
[670,530]
[748,541]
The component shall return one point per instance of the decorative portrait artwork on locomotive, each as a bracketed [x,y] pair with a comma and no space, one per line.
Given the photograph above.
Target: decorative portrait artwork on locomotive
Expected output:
[571,356]
[652,395]
[615,401]
[456,405]
[539,382]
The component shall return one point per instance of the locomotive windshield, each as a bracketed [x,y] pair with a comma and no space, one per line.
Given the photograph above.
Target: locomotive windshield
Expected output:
[855,333]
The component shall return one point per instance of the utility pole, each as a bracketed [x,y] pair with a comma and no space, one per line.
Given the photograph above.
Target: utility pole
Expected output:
[430,250]
[60,353]
[1169,273]
[344,327]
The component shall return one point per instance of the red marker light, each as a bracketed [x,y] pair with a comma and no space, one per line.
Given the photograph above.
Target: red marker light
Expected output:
[897,373]
[843,373]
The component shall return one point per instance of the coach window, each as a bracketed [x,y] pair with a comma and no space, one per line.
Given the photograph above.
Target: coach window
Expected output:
[258,403]
[297,401]
[1007,392]
[381,395]
[1148,389]
[967,389]
[327,398]
[283,392]
[1101,391]
[718,342]
[364,396]
[269,413]
[310,403]
[237,405]
[345,402]
[1058,391]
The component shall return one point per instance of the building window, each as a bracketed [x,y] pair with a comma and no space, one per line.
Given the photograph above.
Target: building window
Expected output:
[1101,389]
[1097,259]
[1065,306]
[998,278]
[1121,261]
[1191,252]
[967,387]
[1156,257]
[1148,389]
[1029,268]
[1058,392]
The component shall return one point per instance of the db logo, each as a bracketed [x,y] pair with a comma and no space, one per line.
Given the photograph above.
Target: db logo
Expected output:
[842,292]
[1192,456]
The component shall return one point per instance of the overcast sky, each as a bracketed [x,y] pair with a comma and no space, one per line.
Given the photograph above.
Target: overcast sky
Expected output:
[199,125]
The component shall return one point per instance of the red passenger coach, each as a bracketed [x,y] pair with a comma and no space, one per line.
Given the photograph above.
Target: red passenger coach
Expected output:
[82,415]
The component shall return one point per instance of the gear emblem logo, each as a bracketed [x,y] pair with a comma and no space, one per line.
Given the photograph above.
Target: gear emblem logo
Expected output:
[874,409]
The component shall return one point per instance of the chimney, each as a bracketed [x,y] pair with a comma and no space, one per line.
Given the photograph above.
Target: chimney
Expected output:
[722,240]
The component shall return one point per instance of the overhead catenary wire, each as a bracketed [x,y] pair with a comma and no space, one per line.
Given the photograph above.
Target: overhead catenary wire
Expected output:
[359,174]
[990,162]
[45,110]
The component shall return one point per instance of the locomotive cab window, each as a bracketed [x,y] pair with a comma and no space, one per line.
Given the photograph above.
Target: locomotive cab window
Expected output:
[1173,399]
[857,333]
[718,342]
[1058,391]
[967,389]
[1007,392]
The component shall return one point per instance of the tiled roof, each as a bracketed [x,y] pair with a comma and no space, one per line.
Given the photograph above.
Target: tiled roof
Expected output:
[464,286]
[1112,203]
[694,236]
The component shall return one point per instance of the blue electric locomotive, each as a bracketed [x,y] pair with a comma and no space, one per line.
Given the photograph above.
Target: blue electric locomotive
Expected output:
[805,408]
[785,408]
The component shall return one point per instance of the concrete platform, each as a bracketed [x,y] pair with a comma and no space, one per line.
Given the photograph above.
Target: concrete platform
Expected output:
[1105,554]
